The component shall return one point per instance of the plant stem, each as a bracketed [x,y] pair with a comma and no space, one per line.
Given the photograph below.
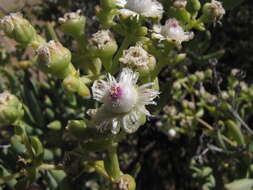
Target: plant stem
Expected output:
[112,162]
[208,126]
[50,32]
[49,167]
[126,42]
[81,42]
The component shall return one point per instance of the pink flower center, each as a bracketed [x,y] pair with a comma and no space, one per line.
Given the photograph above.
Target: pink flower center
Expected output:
[172,23]
[116,92]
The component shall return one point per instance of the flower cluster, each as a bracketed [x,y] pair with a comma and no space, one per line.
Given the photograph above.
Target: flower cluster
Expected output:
[144,42]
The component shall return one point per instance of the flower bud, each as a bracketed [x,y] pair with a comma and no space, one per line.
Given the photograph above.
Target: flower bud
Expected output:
[142,31]
[212,12]
[74,84]
[208,73]
[179,4]
[18,28]
[55,125]
[138,59]
[172,132]
[11,109]
[73,24]
[193,6]
[200,75]
[77,127]
[179,58]
[125,182]
[102,44]
[55,59]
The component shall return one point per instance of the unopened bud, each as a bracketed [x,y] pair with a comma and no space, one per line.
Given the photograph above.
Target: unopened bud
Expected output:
[11,109]
[73,24]
[55,125]
[213,12]
[193,79]
[172,132]
[55,59]
[179,57]
[125,182]
[193,6]
[74,84]
[200,75]
[179,4]
[18,28]
[102,44]
[224,95]
[142,31]
[208,73]
[138,59]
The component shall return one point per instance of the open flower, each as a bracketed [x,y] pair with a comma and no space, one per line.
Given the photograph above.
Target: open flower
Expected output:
[172,31]
[123,102]
[146,8]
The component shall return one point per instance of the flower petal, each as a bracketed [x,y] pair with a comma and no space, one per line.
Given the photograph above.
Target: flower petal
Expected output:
[99,89]
[130,123]
[115,126]
[144,111]
[111,80]
[127,76]
[156,10]
[101,118]
[121,3]
[147,95]
[127,12]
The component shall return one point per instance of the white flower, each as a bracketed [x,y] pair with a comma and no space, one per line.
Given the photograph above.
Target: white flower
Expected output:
[123,102]
[146,8]
[172,31]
